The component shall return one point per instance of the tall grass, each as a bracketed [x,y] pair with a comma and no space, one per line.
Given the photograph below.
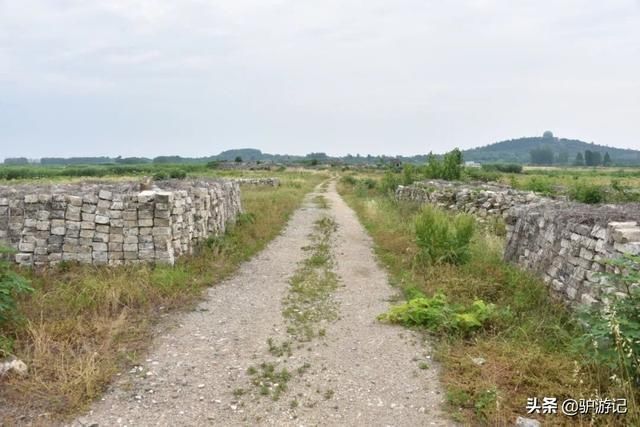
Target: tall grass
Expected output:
[442,237]
[82,324]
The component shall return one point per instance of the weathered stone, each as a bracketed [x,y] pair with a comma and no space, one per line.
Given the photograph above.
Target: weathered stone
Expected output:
[75,201]
[72,213]
[99,247]
[102,219]
[145,222]
[105,194]
[86,225]
[527,422]
[90,198]
[626,235]
[628,248]
[26,246]
[101,237]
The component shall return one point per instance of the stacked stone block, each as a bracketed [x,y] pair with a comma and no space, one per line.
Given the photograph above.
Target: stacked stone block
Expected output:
[476,198]
[267,182]
[113,224]
[566,244]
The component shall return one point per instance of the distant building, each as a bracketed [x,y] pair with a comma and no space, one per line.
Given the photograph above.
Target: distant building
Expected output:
[471,164]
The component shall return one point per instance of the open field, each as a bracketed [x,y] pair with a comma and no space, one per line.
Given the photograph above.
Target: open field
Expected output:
[10,175]
[83,324]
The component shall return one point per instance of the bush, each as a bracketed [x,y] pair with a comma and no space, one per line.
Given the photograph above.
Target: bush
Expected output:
[587,193]
[389,182]
[449,168]
[178,174]
[444,238]
[438,315]
[409,174]
[159,176]
[612,333]
[503,167]
[540,185]
[349,180]
[482,175]
[369,183]
[11,284]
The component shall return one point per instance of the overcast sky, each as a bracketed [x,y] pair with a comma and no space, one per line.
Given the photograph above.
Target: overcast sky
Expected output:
[195,77]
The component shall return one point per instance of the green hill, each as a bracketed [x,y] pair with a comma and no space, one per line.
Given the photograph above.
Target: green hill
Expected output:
[519,151]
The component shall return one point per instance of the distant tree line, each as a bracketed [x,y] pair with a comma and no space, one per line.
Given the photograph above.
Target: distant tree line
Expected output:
[544,155]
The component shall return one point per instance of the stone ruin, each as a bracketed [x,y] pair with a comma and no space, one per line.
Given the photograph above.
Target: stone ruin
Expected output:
[114,223]
[475,198]
[267,182]
[563,242]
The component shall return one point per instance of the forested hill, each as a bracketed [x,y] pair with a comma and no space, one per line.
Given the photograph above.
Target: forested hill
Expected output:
[564,151]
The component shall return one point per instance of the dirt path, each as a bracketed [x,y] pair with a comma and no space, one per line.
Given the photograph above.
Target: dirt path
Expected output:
[218,368]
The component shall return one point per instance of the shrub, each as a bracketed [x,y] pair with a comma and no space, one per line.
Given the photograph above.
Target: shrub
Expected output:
[349,180]
[438,315]
[178,174]
[502,167]
[159,176]
[444,238]
[540,185]
[587,193]
[408,174]
[449,168]
[612,333]
[11,284]
[389,182]
[482,175]
[369,183]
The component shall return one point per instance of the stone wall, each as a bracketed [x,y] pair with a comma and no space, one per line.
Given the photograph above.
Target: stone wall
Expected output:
[106,223]
[267,182]
[476,198]
[563,242]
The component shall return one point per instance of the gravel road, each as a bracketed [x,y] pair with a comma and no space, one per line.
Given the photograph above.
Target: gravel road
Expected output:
[356,372]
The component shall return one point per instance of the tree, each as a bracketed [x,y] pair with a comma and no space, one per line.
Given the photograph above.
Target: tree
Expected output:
[579,160]
[548,135]
[607,159]
[433,168]
[542,155]
[592,158]
[16,161]
[563,157]
[238,159]
[452,165]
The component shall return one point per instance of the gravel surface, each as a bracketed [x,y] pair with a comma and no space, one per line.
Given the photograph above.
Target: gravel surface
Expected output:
[359,372]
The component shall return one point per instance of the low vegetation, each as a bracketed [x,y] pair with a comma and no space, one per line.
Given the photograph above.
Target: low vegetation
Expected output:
[309,300]
[499,337]
[443,238]
[82,324]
